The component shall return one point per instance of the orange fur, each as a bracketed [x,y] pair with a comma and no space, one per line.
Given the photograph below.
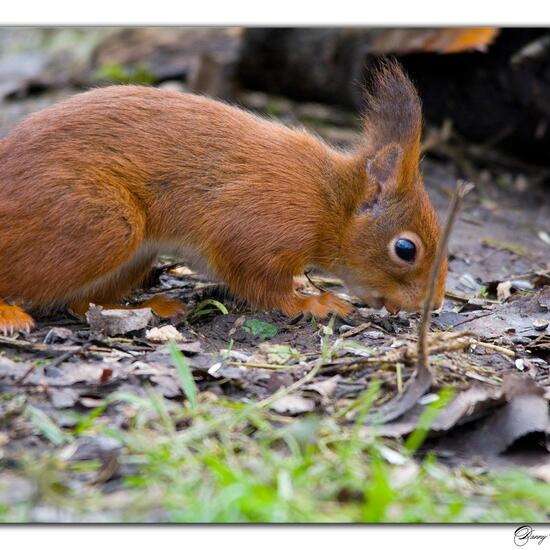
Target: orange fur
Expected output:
[94,188]
[164,307]
[14,319]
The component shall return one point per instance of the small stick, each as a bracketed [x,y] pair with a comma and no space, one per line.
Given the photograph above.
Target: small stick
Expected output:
[460,192]
[505,351]
[399,374]
[268,401]
[422,378]
[55,363]
[355,330]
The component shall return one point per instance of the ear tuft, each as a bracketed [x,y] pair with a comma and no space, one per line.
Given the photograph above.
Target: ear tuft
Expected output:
[393,111]
[393,115]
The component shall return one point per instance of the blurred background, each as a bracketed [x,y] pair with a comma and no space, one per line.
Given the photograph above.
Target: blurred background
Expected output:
[486,91]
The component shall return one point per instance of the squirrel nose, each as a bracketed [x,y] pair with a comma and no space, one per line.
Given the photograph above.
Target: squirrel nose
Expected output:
[392,308]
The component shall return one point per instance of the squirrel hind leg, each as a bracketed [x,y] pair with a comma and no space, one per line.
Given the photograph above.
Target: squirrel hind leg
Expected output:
[14,319]
[161,305]
[112,289]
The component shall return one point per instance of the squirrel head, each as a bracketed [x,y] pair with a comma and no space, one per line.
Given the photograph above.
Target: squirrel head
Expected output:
[390,242]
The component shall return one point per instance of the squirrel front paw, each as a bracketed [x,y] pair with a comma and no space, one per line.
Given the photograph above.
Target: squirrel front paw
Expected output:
[319,305]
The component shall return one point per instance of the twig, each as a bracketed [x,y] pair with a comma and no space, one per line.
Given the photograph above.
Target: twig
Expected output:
[399,373]
[355,330]
[23,377]
[422,379]
[457,296]
[55,363]
[314,285]
[494,347]
[271,366]
[293,387]
[460,192]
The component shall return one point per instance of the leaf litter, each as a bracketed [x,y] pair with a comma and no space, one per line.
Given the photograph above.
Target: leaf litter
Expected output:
[490,344]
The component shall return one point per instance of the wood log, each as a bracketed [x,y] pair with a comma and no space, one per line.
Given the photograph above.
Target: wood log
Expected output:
[500,96]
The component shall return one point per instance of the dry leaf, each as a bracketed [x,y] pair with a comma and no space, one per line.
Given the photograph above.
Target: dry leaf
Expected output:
[525,412]
[293,404]
[325,388]
[453,40]
[504,290]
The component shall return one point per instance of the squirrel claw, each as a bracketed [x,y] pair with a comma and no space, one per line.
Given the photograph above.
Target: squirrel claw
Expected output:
[13,319]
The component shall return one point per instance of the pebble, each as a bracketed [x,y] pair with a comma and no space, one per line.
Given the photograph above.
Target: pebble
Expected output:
[522,340]
[541,324]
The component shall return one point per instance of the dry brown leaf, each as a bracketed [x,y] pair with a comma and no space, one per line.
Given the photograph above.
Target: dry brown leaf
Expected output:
[453,40]
[325,388]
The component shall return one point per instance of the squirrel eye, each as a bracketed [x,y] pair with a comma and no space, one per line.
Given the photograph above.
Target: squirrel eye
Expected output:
[405,249]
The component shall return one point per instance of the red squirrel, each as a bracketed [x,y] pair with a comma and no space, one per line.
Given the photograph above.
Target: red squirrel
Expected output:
[94,188]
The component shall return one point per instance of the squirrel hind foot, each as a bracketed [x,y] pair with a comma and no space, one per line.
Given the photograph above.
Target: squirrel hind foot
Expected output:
[14,319]
[164,307]
[161,305]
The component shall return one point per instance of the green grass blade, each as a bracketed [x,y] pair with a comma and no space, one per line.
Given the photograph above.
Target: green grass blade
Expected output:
[185,375]
[43,423]
[203,309]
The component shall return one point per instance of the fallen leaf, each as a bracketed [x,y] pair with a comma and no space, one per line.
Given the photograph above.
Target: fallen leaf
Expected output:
[260,329]
[449,40]
[293,404]
[520,284]
[467,406]
[504,290]
[90,448]
[91,402]
[58,334]
[524,412]
[415,388]
[325,388]
[63,398]
[519,364]
[391,456]
[512,316]
[168,386]
[279,354]
[106,375]
[190,348]
[278,380]
[469,282]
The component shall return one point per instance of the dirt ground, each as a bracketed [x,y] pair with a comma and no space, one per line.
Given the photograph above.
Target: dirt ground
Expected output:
[491,341]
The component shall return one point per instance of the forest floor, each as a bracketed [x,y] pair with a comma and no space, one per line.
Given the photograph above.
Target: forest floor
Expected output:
[256,417]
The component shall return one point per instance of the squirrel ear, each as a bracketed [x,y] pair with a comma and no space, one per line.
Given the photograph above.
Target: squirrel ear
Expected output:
[383,168]
[382,172]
